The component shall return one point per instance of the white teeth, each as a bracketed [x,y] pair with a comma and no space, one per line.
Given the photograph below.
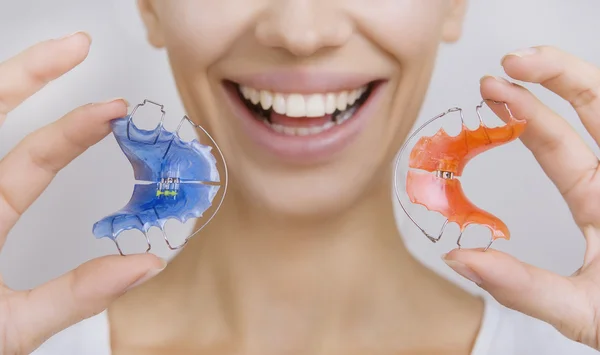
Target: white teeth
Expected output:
[254,96]
[352,96]
[276,127]
[315,106]
[330,104]
[300,131]
[279,105]
[315,129]
[245,92]
[345,115]
[342,101]
[290,131]
[266,99]
[297,105]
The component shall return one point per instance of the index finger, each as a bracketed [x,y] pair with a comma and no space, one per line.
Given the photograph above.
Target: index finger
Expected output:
[29,71]
[571,78]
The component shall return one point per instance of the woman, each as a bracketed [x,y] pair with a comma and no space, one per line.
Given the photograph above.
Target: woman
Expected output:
[304,257]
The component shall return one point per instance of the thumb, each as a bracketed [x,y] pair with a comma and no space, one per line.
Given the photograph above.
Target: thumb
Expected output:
[79,294]
[530,290]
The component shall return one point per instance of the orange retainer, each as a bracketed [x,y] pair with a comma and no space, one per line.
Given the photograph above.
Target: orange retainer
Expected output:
[443,153]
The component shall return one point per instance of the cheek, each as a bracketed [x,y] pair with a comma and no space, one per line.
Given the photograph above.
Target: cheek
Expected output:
[211,26]
[404,28]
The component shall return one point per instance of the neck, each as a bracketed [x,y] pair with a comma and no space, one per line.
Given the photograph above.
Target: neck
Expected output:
[261,279]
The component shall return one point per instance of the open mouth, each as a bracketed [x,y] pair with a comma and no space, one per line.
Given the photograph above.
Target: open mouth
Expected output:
[305,118]
[300,114]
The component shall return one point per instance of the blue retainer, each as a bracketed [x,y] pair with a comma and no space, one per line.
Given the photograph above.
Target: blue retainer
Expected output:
[181,180]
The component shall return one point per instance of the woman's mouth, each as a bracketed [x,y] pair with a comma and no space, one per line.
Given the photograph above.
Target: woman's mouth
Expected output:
[303,127]
[303,115]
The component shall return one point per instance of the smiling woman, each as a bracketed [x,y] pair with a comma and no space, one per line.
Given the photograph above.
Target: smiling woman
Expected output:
[309,101]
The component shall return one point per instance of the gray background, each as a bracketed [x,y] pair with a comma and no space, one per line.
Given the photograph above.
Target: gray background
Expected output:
[54,235]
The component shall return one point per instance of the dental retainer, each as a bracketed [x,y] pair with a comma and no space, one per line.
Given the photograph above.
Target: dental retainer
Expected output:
[177,179]
[436,162]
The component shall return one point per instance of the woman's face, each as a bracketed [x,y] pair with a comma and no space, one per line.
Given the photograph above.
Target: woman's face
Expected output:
[309,100]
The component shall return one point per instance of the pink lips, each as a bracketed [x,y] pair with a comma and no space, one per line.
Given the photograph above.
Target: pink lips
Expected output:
[308,149]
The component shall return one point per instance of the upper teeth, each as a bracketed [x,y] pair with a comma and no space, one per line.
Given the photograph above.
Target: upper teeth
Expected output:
[297,105]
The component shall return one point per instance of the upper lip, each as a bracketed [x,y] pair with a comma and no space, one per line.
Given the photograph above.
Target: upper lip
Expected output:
[305,82]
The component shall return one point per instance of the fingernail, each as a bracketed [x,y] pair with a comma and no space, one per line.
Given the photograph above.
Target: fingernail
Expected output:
[463,270]
[524,52]
[497,78]
[521,53]
[116,99]
[150,274]
[76,33]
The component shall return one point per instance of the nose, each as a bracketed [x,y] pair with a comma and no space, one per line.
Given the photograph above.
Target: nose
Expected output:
[303,27]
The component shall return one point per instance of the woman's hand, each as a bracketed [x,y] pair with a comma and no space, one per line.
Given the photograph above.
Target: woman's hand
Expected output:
[571,304]
[28,318]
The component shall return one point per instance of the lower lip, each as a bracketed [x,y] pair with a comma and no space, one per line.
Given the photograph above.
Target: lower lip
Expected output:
[308,149]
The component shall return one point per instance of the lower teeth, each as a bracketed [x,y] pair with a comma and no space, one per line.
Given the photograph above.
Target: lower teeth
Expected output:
[307,131]
[299,131]
[346,114]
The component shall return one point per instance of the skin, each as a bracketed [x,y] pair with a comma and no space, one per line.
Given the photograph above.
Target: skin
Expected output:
[289,277]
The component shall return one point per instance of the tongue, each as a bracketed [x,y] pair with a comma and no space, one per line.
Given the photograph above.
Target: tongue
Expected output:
[299,121]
